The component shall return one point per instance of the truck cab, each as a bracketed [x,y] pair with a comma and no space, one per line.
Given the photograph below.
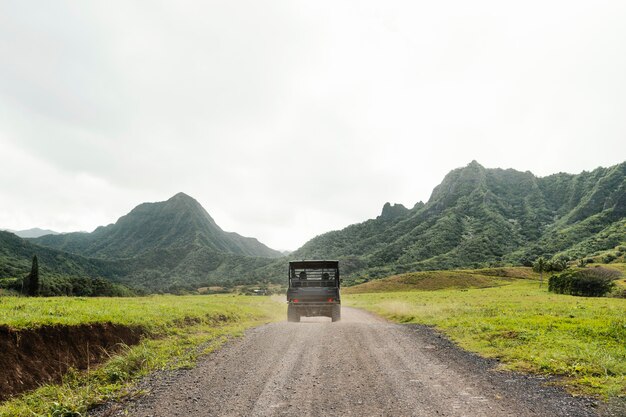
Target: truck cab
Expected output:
[313,290]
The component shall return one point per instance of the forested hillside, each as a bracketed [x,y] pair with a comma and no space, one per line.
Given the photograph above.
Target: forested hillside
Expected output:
[62,273]
[176,223]
[480,216]
[161,270]
[168,246]
[476,217]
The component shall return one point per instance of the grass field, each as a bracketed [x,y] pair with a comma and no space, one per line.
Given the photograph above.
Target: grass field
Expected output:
[154,313]
[525,326]
[178,329]
[495,312]
[436,280]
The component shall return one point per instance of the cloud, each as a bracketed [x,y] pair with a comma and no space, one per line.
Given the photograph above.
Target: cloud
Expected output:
[286,119]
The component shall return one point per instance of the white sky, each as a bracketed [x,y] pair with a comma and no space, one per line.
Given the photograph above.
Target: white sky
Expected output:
[287,119]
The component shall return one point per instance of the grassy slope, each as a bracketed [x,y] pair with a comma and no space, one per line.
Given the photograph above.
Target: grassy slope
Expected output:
[524,326]
[436,280]
[180,329]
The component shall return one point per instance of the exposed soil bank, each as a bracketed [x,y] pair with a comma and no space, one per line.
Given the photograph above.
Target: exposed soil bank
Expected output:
[29,358]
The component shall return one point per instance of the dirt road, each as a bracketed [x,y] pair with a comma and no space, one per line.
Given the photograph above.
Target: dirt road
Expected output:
[361,366]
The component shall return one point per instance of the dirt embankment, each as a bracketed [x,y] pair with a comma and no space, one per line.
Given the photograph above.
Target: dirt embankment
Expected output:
[31,357]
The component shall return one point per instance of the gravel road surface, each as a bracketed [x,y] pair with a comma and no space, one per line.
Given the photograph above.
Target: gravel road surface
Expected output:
[361,366]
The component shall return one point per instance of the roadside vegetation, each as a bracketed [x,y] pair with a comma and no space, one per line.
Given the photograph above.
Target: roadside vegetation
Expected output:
[526,327]
[176,330]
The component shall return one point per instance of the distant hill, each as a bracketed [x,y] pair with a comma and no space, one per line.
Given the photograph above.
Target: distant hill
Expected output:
[16,255]
[34,232]
[60,273]
[169,246]
[179,222]
[478,217]
[438,280]
[160,270]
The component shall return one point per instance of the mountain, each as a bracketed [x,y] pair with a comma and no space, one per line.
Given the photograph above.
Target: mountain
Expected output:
[180,222]
[170,246]
[475,217]
[161,270]
[34,232]
[480,216]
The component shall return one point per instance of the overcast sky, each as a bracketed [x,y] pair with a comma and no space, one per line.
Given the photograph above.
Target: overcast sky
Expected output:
[287,119]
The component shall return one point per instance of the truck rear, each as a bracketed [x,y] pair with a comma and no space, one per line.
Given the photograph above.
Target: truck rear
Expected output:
[313,290]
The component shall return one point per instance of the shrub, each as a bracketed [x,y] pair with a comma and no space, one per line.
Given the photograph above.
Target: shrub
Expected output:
[556,265]
[594,282]
[609,258]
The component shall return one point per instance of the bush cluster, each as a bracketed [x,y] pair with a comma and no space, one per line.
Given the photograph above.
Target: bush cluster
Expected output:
[609,258]
[594,282]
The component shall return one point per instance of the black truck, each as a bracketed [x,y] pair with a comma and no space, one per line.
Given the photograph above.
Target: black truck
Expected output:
[313,290]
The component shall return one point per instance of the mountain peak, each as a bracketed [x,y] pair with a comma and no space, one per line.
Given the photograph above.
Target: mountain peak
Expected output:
[181,196]
[457,183]
[392,211]
[474,164]
[185,201]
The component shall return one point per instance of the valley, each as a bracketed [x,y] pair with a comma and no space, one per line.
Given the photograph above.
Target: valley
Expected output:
[312,209]
[476,217]
[454,273]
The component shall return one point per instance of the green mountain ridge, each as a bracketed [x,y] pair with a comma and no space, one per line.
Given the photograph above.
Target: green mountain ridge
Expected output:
[61,273]
[176,223]
[169,246]
[16,254]
[476,217]
[480,216]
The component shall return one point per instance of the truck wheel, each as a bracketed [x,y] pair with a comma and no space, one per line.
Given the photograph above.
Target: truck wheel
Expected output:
[292,314]
[336,314]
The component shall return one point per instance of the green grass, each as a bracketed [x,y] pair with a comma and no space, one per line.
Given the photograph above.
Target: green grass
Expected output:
[153,313]
[527,328]
[178,329]
[436,280]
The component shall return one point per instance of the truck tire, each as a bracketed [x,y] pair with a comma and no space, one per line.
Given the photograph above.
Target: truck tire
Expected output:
[336,314]
[292,314]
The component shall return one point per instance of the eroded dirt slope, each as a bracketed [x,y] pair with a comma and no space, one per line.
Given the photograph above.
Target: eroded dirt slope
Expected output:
[32,357]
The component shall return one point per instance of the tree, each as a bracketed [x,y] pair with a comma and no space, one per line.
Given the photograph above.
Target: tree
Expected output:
[33,278]
[590,282]
[540,266]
